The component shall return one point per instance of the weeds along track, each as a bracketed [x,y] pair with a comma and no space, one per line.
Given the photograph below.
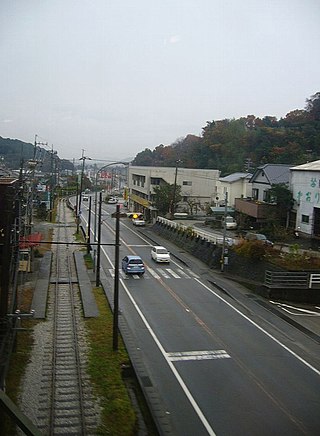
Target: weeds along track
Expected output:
[67,405]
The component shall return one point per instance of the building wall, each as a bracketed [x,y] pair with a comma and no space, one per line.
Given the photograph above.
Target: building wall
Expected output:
[305,188]
[198,184]
[238,189]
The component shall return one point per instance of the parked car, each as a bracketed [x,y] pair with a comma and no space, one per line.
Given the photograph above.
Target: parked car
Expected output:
[138,222]
[231,223]
[250,236]
[133,265]
[160,254]
[112,200]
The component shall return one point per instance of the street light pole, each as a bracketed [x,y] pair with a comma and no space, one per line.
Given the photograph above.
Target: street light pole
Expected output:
[96,194]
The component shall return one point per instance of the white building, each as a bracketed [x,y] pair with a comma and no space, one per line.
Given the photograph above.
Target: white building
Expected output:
[197,185]
[305,188]
[236,185]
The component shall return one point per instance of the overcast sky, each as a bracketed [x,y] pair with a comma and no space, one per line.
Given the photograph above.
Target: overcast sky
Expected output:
[114,77]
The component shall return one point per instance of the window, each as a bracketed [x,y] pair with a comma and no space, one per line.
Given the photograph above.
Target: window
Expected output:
[255,193]
[305,219]
[155,181]
[267,196]
[187,183]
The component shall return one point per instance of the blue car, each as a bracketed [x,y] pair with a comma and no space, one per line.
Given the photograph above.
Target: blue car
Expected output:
[133,265]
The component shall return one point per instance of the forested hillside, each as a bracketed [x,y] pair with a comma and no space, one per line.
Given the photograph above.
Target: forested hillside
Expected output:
[243,144]
[14,151]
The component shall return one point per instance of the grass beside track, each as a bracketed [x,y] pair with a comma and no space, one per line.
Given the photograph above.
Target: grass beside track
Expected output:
[105,370]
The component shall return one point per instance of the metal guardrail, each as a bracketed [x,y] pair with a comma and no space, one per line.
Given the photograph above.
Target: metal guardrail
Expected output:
[22,421]
[292,279]
[200,233]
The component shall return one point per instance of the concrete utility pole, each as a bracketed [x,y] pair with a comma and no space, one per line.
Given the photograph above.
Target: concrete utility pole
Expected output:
[83,158]
[224,258]
[173,204]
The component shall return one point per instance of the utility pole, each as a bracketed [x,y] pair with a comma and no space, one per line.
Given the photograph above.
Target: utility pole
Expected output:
[99,243]
[224,258]
[83,158]
[116,281]
[173,204]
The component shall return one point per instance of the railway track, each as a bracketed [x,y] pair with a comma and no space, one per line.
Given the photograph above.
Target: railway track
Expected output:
[63,403]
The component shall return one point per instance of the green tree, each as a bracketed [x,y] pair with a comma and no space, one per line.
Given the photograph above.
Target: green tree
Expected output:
[282,196]
[163,197]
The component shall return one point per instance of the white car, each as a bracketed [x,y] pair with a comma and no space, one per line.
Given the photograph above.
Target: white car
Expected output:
[112,200]
[138,222]
[160,254]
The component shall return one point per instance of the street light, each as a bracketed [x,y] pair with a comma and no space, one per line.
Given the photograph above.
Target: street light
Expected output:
[96,194]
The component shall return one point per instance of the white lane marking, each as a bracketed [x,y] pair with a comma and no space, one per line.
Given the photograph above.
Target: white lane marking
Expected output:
[261,329]
[122,274]
[193,274]
[184,387]
[286,307]
[136,276]
[153,273]
[137,245]
[198,355]
[175,275]
[163,273]
[183,274]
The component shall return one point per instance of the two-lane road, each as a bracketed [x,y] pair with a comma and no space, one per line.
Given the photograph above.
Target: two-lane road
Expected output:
[215,365]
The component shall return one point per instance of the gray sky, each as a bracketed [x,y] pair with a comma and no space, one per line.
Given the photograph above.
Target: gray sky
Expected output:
[114,77]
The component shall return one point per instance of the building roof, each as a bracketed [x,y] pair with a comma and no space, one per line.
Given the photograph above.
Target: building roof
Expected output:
[275,173]
[234,177]
[309,166]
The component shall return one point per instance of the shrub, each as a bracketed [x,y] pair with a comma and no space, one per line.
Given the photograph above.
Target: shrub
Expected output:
[252,249]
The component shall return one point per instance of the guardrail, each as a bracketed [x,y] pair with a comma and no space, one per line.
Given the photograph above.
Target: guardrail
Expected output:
[207,236]
[292,279]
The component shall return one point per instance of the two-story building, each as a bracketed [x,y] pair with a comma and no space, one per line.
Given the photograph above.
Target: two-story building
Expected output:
[199,185]
[235,185]
[259,206]
[305,188]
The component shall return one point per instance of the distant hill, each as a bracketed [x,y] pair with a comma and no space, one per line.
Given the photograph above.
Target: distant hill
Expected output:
[13,152]
[232,145]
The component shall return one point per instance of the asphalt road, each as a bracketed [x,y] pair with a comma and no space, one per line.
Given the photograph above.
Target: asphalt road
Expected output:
[219,364]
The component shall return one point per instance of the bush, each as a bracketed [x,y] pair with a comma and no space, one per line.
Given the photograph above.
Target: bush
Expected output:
[252,249]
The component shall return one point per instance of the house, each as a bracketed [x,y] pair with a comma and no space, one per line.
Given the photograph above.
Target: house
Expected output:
[267,175]
[197,185]
[259,206]
[305,188]
[236,185]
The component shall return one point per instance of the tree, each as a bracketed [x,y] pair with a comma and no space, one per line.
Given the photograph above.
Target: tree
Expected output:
[313,106]
[163,197]
[280,194]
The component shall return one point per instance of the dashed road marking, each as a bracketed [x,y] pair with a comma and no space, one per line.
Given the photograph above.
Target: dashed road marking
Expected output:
[198,355]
